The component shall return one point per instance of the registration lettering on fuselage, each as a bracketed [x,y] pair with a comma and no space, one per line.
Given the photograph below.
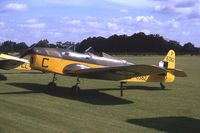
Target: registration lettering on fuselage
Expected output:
[25,66]
[142,78]
[44,62]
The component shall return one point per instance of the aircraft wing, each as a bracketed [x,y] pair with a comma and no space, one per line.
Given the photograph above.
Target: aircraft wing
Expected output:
[115,72]
[8,62]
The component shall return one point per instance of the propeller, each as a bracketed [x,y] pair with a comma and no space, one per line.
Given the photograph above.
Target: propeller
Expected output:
[25,53]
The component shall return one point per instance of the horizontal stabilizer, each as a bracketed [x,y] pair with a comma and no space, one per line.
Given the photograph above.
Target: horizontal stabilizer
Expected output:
[178,72]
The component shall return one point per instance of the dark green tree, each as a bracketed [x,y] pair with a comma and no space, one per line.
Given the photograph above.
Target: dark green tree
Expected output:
[20,47]
[43,43]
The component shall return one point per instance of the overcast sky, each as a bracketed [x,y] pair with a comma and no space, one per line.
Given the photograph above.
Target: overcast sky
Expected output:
[75,20]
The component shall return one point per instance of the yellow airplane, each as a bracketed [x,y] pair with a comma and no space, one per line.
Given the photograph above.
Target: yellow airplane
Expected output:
[105,67]
[8,62]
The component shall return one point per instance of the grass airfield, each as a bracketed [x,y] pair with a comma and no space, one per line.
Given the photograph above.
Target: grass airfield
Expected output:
[26,105]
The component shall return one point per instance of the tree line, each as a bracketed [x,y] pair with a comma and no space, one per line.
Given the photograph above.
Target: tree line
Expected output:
[11,46]
[136,43]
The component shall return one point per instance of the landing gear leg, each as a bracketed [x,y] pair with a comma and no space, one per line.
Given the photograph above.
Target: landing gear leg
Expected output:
[76,88]
[162,86]
[52,84]
[121,88]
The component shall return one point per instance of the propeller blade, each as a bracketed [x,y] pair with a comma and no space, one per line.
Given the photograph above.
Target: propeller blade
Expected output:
[25,53]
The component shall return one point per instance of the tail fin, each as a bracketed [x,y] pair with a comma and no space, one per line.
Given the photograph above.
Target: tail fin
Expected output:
[169,60]
[169,64]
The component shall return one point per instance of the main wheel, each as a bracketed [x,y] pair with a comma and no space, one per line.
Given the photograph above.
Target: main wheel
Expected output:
[51,85]
[162,86]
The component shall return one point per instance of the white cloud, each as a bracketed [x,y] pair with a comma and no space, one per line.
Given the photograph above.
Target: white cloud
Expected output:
[163,9]
[186,33]
[2,24]
[81,3]
[69,2]
[84,25]
[184,9]
[124,20]
[90,18]
[130,20]
[131,3]
[171,9]
[145,19]
[76,30]
[123,10]
[14,7]
[54,33]
[33,23]
[65,17]
[112,26]
[94,24]
[75,22]
[173,23]
[90,26]
[146,24]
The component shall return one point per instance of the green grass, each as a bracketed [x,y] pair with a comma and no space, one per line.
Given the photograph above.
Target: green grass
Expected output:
[27,106]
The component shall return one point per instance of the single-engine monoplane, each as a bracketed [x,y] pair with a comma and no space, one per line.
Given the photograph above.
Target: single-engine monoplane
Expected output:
[104,67]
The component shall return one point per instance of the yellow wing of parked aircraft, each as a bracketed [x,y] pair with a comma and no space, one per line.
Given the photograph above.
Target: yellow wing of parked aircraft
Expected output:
[105,67]
[8,62]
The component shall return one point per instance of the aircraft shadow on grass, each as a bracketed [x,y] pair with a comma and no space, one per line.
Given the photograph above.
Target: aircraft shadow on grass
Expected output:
[174,124]
[92,96]
[3,77]
[28,72]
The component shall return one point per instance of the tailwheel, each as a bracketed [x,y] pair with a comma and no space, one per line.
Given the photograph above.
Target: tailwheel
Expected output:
[162,86]
[75,89]
[52,84]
